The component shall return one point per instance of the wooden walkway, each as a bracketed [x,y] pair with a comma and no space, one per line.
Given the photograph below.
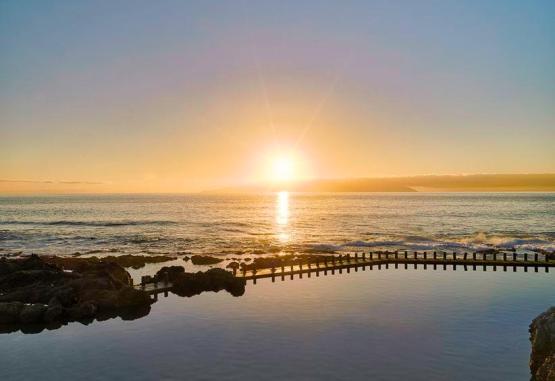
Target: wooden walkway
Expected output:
[155,288]
[362,261]
[423,260]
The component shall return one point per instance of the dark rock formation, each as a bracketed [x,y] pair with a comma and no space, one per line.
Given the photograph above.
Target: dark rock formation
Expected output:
[38,291]
[542,336]
[205,260]
[133,261]
[488,251]
[189,284]
[284,260]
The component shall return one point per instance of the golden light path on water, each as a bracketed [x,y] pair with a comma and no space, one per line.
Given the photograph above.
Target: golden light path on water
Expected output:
[282,215]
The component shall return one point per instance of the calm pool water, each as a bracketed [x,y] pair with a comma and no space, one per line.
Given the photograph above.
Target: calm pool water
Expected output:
[381,325]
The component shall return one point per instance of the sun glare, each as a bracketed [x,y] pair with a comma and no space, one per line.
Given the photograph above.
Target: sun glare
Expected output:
[283,169]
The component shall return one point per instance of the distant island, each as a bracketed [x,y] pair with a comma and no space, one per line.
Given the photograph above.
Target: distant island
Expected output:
[432,183]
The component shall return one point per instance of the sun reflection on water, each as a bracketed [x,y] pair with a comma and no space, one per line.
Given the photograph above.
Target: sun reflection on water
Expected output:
[282,216]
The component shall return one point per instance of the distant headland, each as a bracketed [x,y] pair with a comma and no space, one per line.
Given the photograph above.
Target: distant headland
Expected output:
[431,183]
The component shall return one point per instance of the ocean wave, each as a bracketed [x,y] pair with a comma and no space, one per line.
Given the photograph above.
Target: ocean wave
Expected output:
[324,248]
[476,241]
[89,223]
[376,243]
[8,235]
[508,240]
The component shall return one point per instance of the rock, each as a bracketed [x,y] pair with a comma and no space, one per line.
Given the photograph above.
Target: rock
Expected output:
[129,297]
[53,313]
[83,310]
[189,284]
[33,290]
[32,313]
[66,296]
[284,260]
[172,273]
[488,251]
[137,261]
[93,267]
[542,336]
[205,260]
[9,312]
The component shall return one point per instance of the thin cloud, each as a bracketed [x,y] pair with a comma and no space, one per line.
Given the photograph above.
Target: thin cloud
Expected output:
[49,182]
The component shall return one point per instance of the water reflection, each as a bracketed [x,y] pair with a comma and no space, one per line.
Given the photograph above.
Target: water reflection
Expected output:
[282,216]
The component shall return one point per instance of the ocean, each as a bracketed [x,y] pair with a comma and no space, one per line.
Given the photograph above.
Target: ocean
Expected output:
[276,223]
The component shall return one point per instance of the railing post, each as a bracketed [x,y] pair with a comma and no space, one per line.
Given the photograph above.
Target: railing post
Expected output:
[143,282]
[535,257]
[505,257]
[495,256]
[474,256]
[465,256]
[406,254]
[425,256]
[435,255]
[525,257]
[396,254]
[444,256]
[415,255]
[454,255]
[514,257]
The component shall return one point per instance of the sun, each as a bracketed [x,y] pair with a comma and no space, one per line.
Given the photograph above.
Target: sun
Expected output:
[283,168]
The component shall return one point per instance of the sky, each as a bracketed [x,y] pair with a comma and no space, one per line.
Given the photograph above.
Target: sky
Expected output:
[179,96]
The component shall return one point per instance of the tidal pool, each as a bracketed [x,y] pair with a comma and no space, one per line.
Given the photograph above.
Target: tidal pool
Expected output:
[380,324]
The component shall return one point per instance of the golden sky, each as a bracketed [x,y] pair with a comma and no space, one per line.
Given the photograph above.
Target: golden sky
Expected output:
[178,97]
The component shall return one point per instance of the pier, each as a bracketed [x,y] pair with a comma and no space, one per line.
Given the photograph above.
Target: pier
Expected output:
[153,287]
[347,263]
[401,260]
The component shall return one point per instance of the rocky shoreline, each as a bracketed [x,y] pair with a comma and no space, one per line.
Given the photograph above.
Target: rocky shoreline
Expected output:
[542,337]
[39,293]
[35,292]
